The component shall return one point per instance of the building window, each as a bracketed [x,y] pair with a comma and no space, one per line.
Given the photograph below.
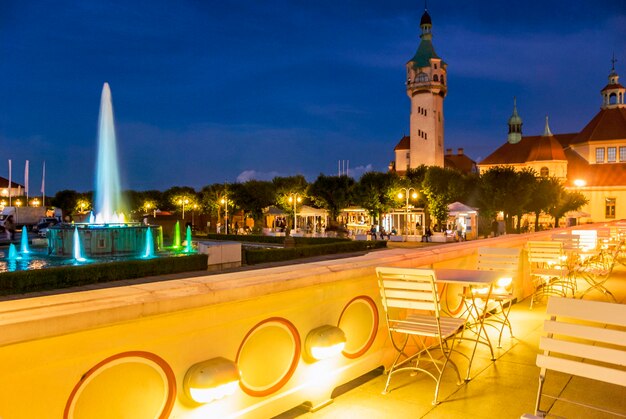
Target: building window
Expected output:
[545,172]
[422,77]
[611,154]
[609,208]
[600,155]
[622,153]
[435,66]
[435,78]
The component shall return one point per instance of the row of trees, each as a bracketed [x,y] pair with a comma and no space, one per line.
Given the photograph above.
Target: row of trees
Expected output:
[501,189]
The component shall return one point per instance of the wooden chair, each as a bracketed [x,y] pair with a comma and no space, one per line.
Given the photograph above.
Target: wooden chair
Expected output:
[585,339]
[548,270]
[412,309]
[506,261]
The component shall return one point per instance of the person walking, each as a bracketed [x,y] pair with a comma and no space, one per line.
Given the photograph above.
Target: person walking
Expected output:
[9,226]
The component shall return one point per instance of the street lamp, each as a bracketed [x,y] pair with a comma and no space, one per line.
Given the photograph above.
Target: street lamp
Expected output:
[296,199]
[35,202]
[18,203]
[407,193]
[183,201]
[224,201]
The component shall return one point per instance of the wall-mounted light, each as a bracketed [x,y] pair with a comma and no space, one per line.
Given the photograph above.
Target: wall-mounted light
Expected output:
[211,380]
[324,342]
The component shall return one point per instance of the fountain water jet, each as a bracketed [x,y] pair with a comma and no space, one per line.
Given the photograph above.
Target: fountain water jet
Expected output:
[12,253]
[176,243]
[188,247]
[107,233]
[149,251]
[77,248]
[24,243]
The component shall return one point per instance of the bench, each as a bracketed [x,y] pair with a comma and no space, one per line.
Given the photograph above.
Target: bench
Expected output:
[585,339]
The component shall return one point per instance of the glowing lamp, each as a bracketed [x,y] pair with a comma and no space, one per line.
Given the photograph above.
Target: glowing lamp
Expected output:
[211,380]
[324,342]
[579,183]
[504,282]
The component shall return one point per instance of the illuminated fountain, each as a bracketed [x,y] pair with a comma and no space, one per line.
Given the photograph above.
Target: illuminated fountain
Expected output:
[12,253]
[24,244]
[188,247]
[107,233]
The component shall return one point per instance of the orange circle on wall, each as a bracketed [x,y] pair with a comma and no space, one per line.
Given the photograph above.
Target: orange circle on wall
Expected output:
[268,356]
[148,388]
[359,321]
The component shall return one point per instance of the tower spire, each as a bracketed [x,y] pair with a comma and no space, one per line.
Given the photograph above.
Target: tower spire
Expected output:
[546,131]
[515,125]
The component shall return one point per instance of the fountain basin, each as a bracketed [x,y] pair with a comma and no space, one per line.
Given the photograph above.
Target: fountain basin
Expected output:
[103,239]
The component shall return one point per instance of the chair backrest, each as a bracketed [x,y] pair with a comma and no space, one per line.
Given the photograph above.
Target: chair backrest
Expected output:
[570,241]
[588,239]
[545,252]
[409,288]
[498,259]
[579,341]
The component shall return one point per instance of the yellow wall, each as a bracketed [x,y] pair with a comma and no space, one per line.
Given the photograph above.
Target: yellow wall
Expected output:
[123,352]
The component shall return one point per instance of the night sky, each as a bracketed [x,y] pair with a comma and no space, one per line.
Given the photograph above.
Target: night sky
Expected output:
[220,91]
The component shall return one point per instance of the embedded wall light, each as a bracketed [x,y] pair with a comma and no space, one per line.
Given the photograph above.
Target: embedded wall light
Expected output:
[211,380]
[324,342]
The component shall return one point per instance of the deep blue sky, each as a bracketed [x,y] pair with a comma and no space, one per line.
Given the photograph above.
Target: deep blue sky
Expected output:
[213,91]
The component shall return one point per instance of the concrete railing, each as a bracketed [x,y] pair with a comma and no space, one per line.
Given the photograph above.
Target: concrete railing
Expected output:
[127,349]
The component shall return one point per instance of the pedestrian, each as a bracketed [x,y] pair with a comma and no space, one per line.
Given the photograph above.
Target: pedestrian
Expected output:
[494,227]
[9,226]
[427,234]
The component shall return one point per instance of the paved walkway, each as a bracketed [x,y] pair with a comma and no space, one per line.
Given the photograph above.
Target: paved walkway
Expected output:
[506,388]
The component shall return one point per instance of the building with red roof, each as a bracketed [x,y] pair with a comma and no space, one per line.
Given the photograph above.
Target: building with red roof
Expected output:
[592,161]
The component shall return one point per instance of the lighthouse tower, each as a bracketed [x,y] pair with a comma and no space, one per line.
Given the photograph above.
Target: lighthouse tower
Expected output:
[426,87]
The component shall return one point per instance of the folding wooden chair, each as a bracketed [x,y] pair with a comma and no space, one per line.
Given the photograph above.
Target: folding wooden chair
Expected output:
[412,309]
[503,260]
[548,270]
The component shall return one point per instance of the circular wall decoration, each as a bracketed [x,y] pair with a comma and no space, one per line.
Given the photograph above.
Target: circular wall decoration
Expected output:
[359,321]
[268,356]
[126,385]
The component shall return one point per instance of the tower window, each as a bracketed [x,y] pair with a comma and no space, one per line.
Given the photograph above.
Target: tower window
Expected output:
[435,78]
[442,82]
[612,99]
[435,67]
[544,172]
[611,154]
[622,153]
[422,77]
[609,207]
[600,155]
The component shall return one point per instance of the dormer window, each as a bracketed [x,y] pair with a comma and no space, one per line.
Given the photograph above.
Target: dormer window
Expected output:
[600,155]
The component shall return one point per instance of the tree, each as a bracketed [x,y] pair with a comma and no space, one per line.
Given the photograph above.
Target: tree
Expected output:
[211,197]
[525,186]
[568,201]
[286,189]
[498,192]
[442,187]
[332,193]
[545,196]
[252,196]
[174,197]
[66,200]
[375,192]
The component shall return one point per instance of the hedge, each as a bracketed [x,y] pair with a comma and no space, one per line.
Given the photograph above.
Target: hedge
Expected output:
[19,282]
[254,238]
[254,256]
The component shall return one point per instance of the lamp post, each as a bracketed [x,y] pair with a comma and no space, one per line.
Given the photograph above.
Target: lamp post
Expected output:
[35,202]
[407,193]
[193,211]
[183,201]
[224,201]
[296,199]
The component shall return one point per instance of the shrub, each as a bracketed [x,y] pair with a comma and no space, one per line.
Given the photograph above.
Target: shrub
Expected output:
[70,276]
[254,256]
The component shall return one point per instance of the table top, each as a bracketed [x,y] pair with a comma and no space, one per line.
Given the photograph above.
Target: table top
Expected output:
[467,276]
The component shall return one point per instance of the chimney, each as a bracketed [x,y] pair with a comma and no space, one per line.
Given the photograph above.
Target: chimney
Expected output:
[448,151]
[460,152]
